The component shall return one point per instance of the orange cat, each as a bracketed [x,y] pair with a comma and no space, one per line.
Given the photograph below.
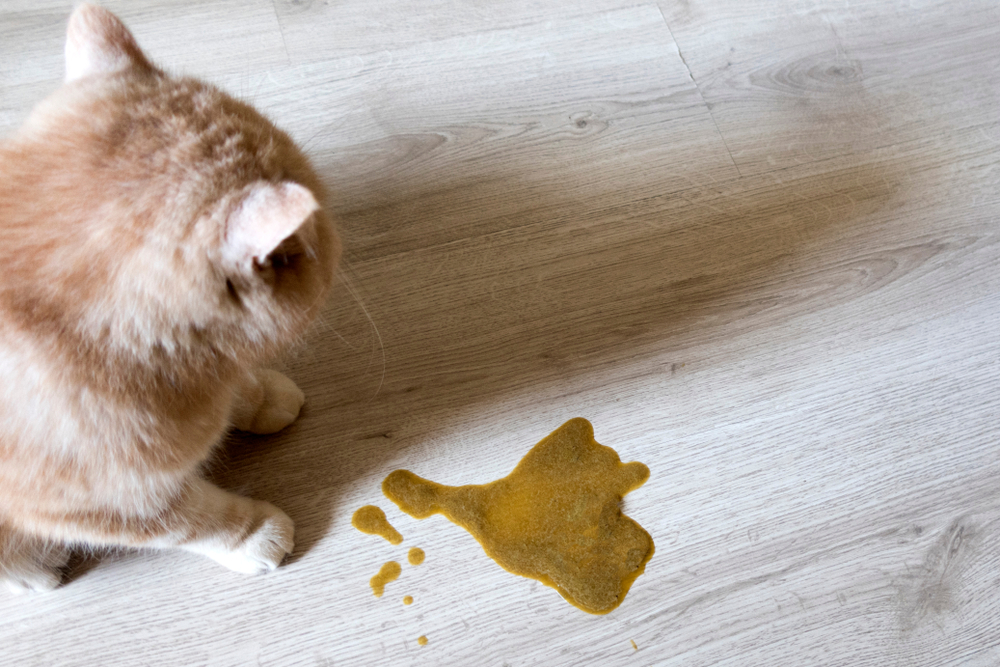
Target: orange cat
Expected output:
[160,240]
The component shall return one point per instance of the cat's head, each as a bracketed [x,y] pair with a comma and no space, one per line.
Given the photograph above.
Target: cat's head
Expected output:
[176,215]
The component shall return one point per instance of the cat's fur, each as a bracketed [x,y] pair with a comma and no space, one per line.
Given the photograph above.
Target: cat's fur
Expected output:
[160,240]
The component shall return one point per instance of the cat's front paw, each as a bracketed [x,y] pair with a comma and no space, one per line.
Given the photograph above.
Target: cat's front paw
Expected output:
[280,403]
[263,550]
[38,567]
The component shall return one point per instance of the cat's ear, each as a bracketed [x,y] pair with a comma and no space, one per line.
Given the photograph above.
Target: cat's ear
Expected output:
[98,43]
[267,215]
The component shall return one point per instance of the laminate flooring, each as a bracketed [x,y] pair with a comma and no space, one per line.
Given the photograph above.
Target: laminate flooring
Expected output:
[756,244]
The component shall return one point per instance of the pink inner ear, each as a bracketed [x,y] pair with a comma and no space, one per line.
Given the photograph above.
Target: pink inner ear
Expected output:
[98,43]
[268,215]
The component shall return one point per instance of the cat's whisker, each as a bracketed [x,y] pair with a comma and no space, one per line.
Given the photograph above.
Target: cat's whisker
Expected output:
[378,336]
[322,323]
[253,98]
[342,339]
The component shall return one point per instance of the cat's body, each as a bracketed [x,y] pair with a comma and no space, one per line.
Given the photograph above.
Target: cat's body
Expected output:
[160,240]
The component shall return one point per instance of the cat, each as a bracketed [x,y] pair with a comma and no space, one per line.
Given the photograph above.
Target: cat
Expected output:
[160,242]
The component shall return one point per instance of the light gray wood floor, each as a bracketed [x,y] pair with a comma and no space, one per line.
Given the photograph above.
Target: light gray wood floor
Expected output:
[757,244]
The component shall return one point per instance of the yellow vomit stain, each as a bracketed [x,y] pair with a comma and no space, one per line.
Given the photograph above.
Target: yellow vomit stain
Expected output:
[371,520]
[388,572]
[422,640]
[415,556]
[408,600]
[634,645]
[555,518]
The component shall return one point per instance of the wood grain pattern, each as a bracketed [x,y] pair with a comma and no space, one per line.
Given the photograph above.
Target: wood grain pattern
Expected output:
[607,106]
[316,28]
[839,78]
[757,245]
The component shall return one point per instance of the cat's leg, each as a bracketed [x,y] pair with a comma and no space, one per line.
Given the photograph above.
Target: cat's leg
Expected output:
[266,402]
[29,563]
[245,535]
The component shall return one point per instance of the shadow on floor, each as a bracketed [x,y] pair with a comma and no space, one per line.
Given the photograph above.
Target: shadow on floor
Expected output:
[466,323]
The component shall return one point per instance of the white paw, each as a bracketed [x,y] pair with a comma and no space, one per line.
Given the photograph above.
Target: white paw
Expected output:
[36,569]
[282,403]
[263,550]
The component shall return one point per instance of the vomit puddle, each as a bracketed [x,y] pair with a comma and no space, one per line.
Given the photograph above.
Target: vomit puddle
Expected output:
[388,572]
[371,520]
[415,556]
[554,518]
[407,600]
[422,640]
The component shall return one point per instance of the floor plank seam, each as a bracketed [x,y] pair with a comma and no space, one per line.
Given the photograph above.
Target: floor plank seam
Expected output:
[708,107]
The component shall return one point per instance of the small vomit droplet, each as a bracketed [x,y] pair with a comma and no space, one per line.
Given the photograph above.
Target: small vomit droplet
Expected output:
[422,640]
[633,644]
[389,572]
[371,520]
[408,599]
[555,518]
[416,556]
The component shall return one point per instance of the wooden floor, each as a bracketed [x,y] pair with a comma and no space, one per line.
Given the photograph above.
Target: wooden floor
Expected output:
[757,244]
